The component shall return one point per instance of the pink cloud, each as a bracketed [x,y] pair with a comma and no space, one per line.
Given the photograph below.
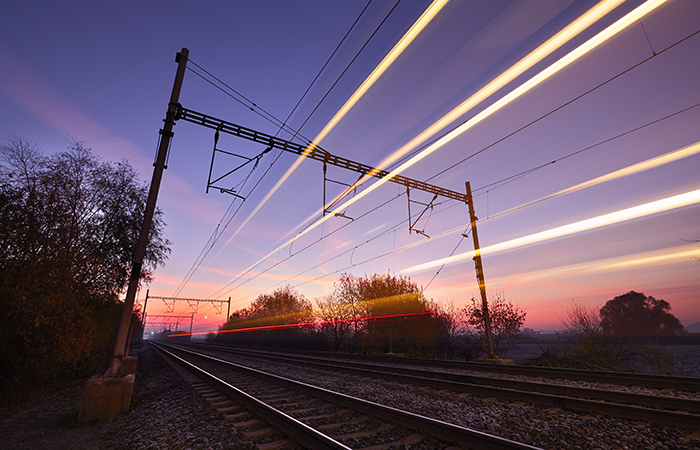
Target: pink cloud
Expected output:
[28,91]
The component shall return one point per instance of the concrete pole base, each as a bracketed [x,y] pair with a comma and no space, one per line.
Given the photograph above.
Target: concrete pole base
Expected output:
[105,398]
[129,364]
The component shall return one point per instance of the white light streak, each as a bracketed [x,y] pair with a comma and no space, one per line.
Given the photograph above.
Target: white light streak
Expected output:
[673,255]
[388,60]
[542,76]
[636,212]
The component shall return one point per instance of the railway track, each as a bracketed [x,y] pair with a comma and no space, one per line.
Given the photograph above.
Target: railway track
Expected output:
[621,378]
[313,417]
[658,408]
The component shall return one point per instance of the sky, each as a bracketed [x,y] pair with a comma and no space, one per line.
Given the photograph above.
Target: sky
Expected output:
[575,123]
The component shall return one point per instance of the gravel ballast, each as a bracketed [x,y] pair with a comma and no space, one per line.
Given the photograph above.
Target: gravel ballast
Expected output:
[167,413]
[545,427]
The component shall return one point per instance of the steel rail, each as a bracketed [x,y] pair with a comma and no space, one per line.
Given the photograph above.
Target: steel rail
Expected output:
[437,376]
[302,433]
[624,378]
[549,395]
[444,431]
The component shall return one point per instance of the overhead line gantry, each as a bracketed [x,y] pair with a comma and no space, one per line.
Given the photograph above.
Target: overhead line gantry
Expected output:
[310,150]
[314,151]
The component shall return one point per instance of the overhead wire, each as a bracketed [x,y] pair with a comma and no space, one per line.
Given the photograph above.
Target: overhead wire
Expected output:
[347,67]
[462,238]
[636,168]
[618,75]
[283,126]
[578,52]
[525,87]
[417,27]
[325,236]
[511,178]
[534,81]
[247,103]
[688,198]
[643,210]
[597,40]
[317,140]
[537,55]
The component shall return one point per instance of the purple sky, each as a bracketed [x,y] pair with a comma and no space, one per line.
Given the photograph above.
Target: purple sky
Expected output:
[102,73]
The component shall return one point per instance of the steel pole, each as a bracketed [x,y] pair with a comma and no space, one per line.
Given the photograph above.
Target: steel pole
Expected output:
[166,134]
[480,274]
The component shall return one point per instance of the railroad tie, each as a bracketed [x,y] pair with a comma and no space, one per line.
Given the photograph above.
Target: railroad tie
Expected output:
[228,409]
[246,424]
[306,410]
[258,433]
[235,417]
[222,404]
[408,440]
[277,445]
[379,429]
[340,424]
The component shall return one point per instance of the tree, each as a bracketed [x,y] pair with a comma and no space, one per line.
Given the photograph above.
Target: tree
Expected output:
[634,314]
[506,321]
[583,344]
[342,315]
[400,319]
[582,322]
[281,319]
[453,338]
[586,344]
[70,225]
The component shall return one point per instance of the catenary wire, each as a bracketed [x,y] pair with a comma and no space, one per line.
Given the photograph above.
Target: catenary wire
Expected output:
[209,245]
[434,237]
[551,112]
[560,107]
[349,64]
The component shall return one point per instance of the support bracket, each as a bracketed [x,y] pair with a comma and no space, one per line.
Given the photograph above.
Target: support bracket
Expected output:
[224,189]
[428,206]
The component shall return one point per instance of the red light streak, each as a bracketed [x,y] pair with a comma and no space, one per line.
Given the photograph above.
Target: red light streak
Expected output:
[306,324]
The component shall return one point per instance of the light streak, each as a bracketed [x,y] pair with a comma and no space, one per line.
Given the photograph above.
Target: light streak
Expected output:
[636,168]
[651,163]
[524,64]
[635,212]
[542,76]
[664,256]
[534,57]
[306,324]
[389,59]
[533,82]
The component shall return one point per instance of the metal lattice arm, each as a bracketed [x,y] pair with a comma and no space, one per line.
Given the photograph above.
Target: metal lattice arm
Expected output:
[310,151]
